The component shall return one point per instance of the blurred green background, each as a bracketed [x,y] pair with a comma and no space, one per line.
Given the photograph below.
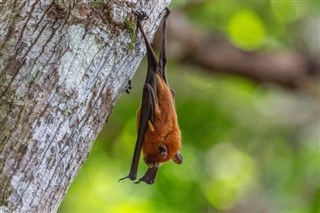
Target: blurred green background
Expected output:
[247,147]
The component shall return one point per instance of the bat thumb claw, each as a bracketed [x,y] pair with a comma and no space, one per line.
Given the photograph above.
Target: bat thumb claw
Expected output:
[168,11]
[121,179]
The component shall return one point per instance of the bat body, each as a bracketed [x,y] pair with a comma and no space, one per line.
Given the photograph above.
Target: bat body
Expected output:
[159,136]
[165,130]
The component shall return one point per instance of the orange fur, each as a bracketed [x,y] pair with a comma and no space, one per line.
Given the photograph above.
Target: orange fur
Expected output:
[165,129]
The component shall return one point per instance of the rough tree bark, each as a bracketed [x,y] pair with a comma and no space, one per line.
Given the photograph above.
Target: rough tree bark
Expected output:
[63,64]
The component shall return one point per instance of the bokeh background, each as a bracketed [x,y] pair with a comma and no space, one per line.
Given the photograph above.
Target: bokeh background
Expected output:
[247,146]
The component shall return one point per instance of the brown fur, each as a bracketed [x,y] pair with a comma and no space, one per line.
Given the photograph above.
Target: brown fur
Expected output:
[165,129]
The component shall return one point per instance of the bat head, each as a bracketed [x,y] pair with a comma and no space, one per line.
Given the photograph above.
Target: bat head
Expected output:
[160,154]
[155,159]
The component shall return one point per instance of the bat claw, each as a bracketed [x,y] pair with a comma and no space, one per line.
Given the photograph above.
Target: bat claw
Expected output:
[147,182]
[137,182]
[141,15]
[128,87]
[121,179]
[168,11]
[130,176]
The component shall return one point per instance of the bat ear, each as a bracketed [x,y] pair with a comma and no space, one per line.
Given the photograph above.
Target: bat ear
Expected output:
[163,150]
[177,158]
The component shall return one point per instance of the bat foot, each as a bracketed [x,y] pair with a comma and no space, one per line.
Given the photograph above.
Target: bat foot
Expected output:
[131,177]
[147,182]
[168,11]
[141,15]
[128,87]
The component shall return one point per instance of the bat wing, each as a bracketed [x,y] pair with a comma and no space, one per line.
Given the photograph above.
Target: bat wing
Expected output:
[149,100]
[149,176]
[163,52]
[146,113]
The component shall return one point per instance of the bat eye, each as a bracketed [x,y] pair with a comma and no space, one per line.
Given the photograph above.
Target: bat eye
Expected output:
[163,150]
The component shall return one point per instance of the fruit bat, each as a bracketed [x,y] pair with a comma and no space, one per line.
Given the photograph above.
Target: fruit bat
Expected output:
[159,135]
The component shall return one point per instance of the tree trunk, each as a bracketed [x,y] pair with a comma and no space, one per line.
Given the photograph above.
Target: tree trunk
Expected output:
[63,64]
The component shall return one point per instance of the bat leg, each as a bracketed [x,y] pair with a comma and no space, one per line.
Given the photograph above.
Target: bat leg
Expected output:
[154,100]
[151,57]
[146,113]
[150,176]
[163,52]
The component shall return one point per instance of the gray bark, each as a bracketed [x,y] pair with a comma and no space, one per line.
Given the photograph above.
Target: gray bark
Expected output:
[63,64]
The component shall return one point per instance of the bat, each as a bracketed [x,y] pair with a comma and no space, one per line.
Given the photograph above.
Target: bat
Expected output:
[158,132]
[128,87]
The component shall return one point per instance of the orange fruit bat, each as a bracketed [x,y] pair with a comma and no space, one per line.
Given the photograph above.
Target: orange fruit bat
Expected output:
[159,136]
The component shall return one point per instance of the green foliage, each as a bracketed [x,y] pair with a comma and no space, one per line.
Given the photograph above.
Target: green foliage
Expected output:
[254,24]
[241,146]
[246,29]
[246,147]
